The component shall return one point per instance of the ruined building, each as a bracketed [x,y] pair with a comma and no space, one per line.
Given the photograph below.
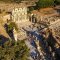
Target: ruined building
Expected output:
[19,15]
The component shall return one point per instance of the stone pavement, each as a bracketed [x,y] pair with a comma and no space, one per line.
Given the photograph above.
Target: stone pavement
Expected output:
[22,34]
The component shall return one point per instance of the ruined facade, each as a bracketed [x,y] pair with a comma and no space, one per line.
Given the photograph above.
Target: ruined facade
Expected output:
[19,15]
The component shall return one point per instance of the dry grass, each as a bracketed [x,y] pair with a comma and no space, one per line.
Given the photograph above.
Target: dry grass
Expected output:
[2,30]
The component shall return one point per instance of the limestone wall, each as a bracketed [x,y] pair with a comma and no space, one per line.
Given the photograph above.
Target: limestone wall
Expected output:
[19,14]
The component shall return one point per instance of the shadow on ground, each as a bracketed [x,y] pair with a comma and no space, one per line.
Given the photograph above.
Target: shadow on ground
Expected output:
[3,39]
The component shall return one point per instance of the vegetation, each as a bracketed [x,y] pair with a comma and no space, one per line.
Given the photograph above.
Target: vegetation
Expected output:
[30,9]
[57,2]
[12,50]
[11,26]
[41,3]
[45,3]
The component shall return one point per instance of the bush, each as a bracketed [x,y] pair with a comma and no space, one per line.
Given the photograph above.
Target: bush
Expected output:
[11,26]
[57,2]
[45,3]
[12,51]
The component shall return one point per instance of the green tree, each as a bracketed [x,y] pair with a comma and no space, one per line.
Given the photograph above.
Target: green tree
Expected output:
[12,51]
[11,26]
[57,2]
[45,3]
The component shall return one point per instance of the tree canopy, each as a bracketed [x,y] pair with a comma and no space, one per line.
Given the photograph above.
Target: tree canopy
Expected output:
[57,2]
[12,50]
[45,3]
[12,25]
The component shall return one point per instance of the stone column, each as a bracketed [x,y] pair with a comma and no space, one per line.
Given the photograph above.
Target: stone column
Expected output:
[15,34]
[41,18]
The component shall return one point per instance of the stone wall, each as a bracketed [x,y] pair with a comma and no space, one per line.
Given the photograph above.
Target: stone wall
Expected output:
[19,15]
